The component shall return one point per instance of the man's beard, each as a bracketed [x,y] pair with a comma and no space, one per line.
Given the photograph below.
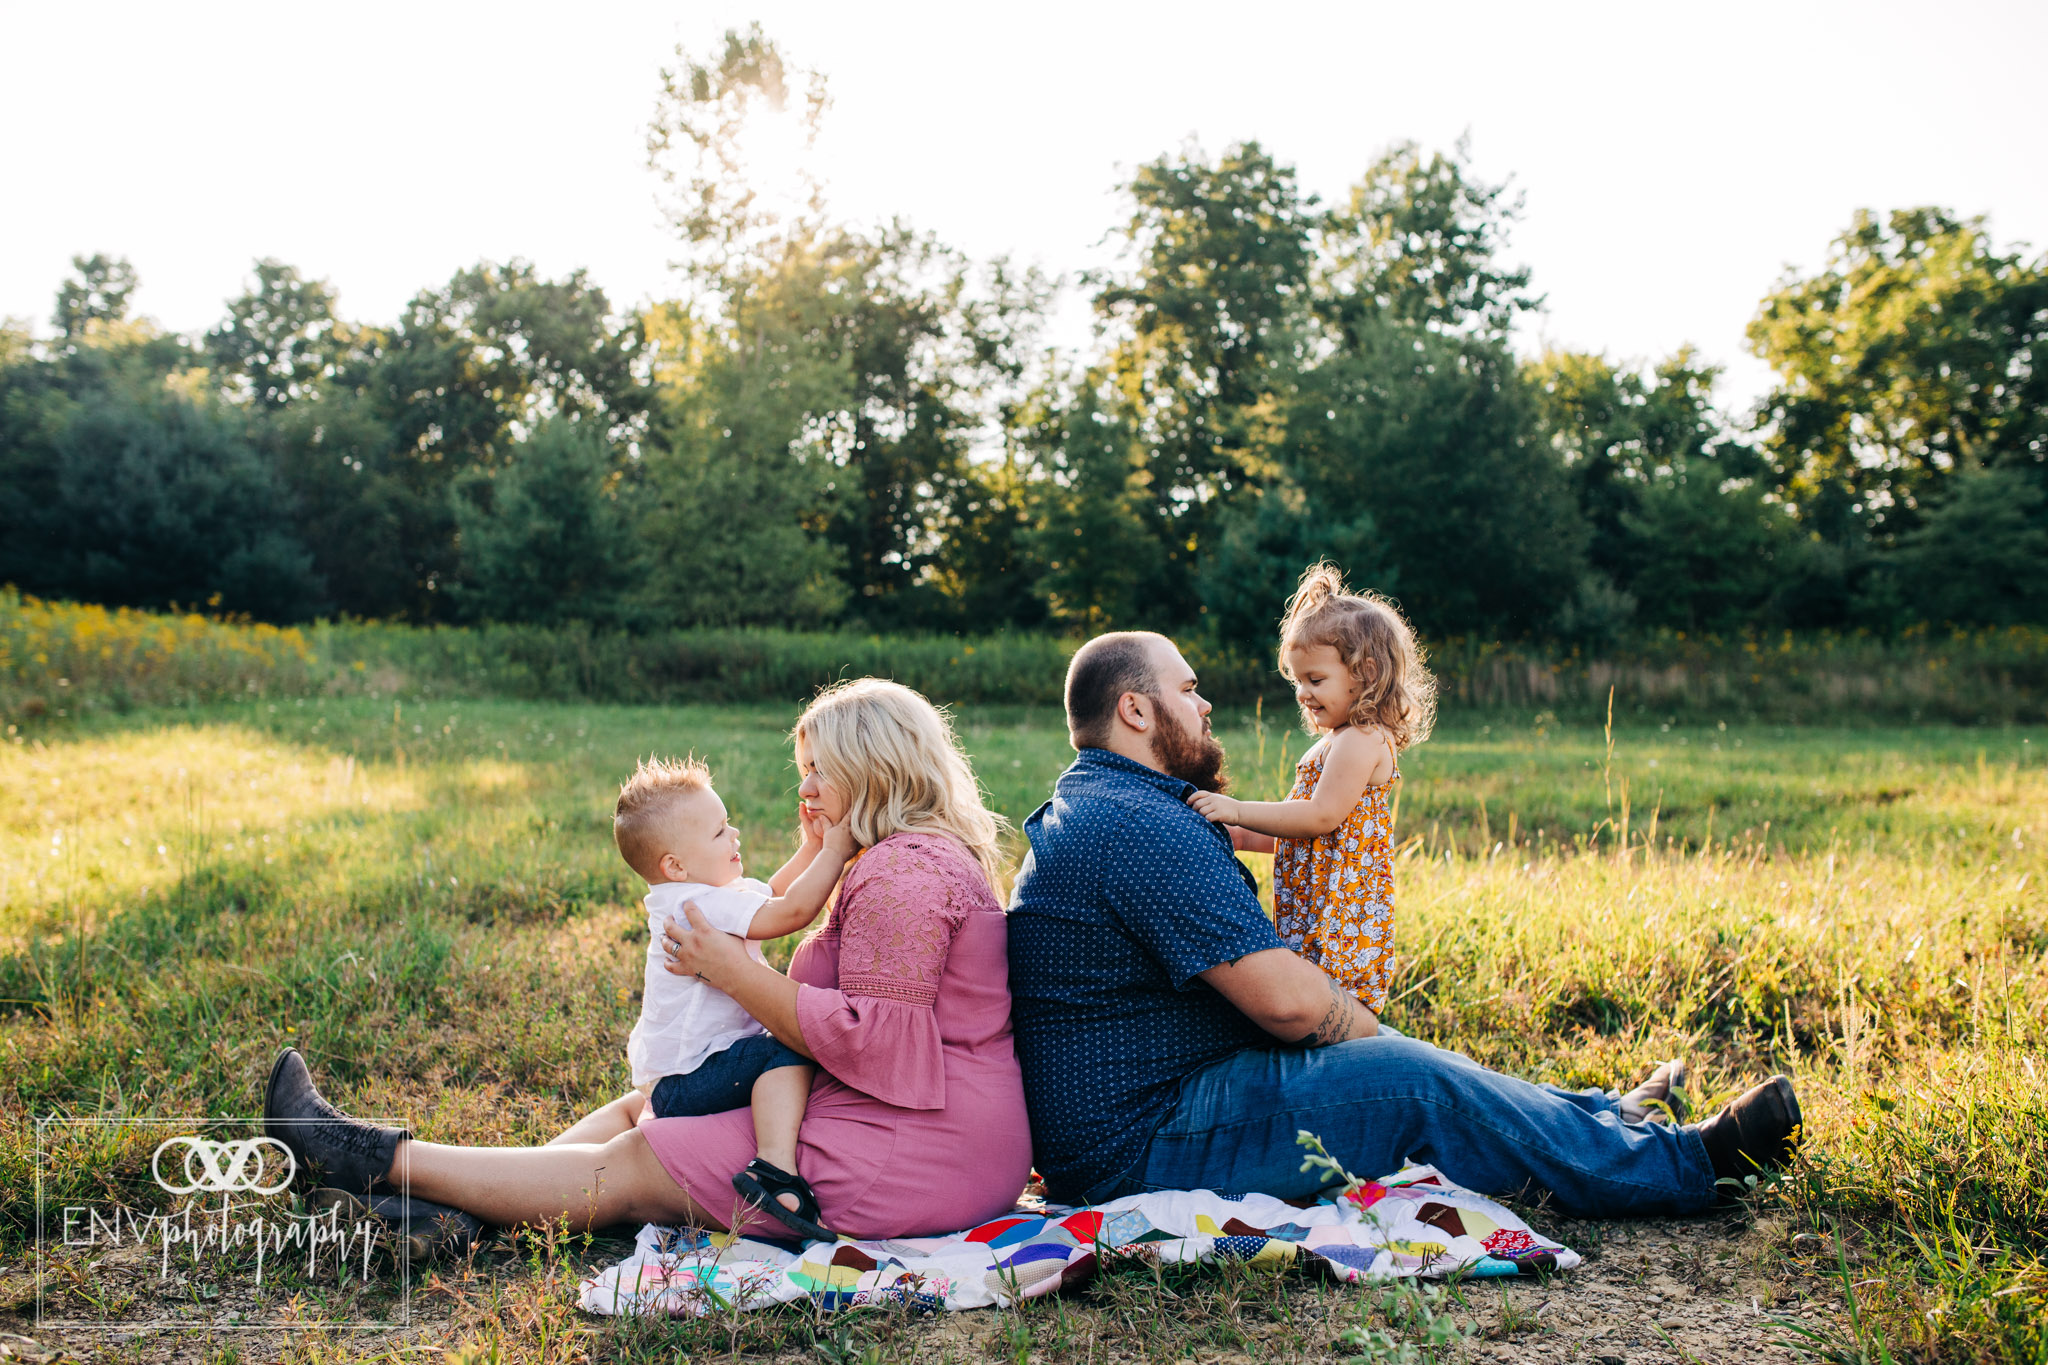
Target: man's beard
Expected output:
[1190,755]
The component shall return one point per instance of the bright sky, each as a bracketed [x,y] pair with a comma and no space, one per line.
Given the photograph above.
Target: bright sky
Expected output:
[1675,158]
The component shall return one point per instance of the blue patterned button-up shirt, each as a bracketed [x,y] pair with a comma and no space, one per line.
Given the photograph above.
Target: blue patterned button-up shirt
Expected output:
[1126,896]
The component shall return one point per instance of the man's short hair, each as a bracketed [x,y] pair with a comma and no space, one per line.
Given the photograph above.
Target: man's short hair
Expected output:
[640,820]
[1101,672]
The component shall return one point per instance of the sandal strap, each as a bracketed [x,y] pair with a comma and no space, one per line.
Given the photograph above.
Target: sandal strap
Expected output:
[779,1182]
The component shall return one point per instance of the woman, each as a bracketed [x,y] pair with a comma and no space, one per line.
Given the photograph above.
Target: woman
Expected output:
[916,1121]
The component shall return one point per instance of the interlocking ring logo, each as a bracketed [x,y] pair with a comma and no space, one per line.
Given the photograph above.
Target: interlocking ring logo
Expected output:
[225,1167]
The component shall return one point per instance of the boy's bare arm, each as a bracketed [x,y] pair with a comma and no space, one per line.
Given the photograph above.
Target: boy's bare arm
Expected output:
[796,907]
[790,872]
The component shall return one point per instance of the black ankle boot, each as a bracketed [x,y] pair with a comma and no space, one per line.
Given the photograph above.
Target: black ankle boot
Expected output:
[346,1153]
[1755,1133]
[424,1229]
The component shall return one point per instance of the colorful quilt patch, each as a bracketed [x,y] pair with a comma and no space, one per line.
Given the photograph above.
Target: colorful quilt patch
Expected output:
[1412,1223]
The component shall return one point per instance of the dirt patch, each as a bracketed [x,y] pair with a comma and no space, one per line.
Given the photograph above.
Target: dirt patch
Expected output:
[1649,1293]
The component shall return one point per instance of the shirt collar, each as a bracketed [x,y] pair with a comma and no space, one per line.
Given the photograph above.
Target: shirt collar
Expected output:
[1106,761]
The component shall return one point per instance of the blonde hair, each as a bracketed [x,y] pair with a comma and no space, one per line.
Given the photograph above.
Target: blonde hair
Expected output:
[1397,691]
[638,821]
[895,759]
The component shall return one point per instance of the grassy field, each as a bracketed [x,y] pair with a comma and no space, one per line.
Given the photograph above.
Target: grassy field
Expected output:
[67,660]
[423,897]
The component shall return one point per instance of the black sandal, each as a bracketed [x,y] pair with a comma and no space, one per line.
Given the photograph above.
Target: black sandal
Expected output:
[762,1182]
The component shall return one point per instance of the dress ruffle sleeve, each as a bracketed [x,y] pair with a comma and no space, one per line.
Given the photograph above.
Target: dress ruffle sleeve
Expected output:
[877,1031]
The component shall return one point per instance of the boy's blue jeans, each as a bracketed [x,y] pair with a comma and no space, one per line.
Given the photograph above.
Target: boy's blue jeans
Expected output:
[1378,1103]
[724,1080]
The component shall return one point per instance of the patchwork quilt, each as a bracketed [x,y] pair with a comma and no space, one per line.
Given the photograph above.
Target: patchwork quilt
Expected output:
[1413,1223]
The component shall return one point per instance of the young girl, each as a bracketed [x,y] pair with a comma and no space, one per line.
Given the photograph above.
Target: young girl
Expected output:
[1360,679]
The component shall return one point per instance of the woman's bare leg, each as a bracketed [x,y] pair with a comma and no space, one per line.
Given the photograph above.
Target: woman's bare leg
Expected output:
[605,1122]
[591,1184]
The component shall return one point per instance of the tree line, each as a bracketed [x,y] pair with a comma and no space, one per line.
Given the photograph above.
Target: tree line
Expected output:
[844,424]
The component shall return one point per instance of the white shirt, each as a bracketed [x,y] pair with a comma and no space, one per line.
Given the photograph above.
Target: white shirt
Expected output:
[684,1020]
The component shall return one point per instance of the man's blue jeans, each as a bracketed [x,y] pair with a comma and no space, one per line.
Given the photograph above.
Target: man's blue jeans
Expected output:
[1378,1103]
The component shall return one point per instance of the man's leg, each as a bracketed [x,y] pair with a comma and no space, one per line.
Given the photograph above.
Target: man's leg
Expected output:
[1378,1103]
[1593,1100]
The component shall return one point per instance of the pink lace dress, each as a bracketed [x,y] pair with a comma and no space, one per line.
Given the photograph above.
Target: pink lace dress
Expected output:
[916,1121]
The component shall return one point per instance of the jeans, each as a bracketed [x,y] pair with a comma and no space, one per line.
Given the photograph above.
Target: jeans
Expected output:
[1379,1103]
[724,1080]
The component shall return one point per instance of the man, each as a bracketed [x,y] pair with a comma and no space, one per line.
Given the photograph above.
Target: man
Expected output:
[1171,1040]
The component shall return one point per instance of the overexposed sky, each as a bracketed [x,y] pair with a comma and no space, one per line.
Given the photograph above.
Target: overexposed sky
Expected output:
[1675,158]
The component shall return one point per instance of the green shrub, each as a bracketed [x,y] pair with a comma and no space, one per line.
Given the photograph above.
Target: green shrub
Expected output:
[62,658]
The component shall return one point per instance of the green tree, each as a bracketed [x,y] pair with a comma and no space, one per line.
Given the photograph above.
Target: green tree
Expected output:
[736,493]
[928,356]
[1418,242]
[544,348]
[861,364]
[276,342]
[1417,417]
[374,530]
[1434,436]
[33,409]
[1676,506]
[372,427]
[1100,562]
[162,500]
[99,293]
[706,143]
[1209,327]
[1917,353]
[1980,555]
[547,538]
[1256,553]
[74,412]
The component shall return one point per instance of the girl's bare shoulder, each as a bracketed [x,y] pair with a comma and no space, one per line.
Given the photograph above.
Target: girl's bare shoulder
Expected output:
[1361,741]
[1364,752]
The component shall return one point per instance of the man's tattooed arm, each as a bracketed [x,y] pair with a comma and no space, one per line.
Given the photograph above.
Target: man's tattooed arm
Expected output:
[1280,992]
[1338,1023]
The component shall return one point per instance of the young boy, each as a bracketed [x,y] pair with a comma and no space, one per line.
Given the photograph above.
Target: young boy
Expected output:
[695,1050]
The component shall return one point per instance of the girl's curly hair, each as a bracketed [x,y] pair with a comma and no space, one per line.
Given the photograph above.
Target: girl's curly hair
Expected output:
[1398,692]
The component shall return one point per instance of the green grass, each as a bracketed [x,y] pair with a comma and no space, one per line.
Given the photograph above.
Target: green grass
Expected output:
[423,896]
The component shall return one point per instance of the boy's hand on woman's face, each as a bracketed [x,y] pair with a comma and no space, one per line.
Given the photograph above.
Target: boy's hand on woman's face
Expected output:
[811,823]
[837,839]
[1215,806]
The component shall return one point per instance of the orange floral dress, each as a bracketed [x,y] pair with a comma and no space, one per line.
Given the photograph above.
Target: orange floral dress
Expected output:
[1333,895]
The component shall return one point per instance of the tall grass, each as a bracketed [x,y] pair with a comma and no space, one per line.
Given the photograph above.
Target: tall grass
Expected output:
[61,659]
[1971,677]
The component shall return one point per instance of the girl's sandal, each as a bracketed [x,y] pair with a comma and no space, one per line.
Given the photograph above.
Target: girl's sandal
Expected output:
[761,1183]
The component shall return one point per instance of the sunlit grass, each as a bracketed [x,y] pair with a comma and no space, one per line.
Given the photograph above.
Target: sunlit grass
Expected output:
[424,896]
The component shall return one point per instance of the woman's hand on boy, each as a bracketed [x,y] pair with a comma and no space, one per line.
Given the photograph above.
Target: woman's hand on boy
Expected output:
[697,949]
[1215,806]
